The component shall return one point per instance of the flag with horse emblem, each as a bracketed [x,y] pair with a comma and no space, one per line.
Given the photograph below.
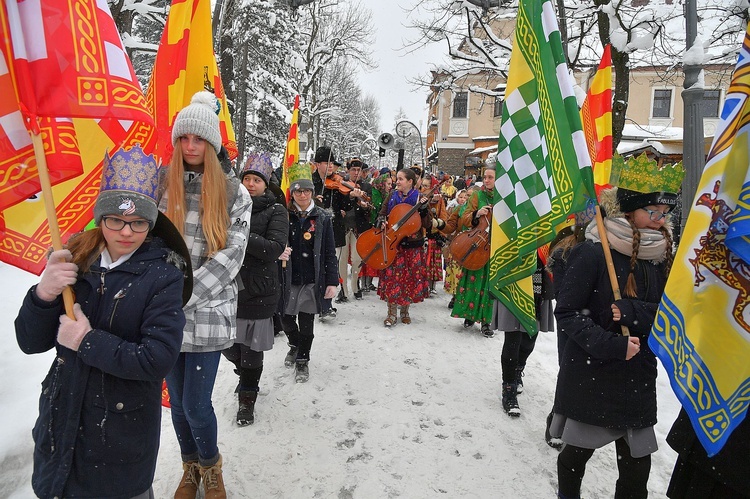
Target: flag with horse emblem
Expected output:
[543,171]
[701,331]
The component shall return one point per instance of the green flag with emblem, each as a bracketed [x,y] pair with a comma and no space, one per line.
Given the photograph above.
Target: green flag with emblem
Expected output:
[543,171]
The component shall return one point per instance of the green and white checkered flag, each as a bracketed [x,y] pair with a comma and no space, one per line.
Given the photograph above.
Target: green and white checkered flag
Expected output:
[543,171]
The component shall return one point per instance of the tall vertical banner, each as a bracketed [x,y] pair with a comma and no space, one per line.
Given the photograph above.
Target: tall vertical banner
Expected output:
[596,118]
[65,75]
[701,332]
[543,171]
[291,154]
[186,64]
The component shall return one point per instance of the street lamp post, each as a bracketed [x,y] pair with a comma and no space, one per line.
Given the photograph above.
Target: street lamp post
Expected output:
[402,132]
[367,140]
[693,152]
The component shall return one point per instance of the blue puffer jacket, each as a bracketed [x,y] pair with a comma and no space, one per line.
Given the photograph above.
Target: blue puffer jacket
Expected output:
[97,434]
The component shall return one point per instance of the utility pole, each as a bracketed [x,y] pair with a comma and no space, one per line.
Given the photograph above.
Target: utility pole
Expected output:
[693,155]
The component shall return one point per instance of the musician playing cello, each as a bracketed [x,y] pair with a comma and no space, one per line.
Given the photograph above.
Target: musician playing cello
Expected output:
[405,281]
[473,301]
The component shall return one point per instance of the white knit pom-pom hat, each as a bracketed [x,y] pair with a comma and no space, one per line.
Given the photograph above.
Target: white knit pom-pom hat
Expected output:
[200,118]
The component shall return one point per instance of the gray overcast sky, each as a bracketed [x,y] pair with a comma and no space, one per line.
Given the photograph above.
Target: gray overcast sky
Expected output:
[388,83]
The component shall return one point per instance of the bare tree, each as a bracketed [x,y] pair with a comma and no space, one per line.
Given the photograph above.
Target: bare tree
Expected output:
[641,32]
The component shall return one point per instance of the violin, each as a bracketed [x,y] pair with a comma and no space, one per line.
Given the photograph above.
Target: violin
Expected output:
[336,182]
[471,248]
[378,246]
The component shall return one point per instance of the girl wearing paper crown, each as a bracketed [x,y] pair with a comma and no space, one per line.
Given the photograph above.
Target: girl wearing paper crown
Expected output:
[312,269]
[257,301]
[128,276]
[606,387]
[212,212]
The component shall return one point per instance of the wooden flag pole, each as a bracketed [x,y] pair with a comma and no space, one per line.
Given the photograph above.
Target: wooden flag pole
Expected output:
[610,264]
[49,207]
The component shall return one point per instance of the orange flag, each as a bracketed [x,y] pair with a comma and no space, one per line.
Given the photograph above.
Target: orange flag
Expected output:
[65,75]
[186,64]
[596,116]
[291,155]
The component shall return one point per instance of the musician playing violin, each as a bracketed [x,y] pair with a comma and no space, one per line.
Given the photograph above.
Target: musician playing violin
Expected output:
[435,239]
[473,301]
[330,200]
[405,281]
[356,220]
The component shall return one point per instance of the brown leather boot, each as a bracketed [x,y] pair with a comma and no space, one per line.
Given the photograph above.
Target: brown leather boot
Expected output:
[213,482]
[390,319]
[190,481]
[405,314]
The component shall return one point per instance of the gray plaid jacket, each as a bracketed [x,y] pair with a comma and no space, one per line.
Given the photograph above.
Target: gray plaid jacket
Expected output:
[211,312]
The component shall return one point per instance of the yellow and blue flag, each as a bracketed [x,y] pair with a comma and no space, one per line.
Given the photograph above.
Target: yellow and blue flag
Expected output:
[543,171]
[701,332]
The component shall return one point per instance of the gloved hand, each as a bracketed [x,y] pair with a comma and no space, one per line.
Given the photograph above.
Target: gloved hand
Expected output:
[71,331]
[59,273]
[438,223]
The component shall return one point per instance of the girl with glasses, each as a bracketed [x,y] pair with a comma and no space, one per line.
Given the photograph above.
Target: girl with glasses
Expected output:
[99,422]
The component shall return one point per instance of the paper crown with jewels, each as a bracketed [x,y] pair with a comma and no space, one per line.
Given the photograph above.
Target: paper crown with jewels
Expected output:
[300,177]
[129,183]
[641,174]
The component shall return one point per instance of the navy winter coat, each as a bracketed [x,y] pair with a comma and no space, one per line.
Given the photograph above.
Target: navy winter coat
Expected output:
[97,434]
[269,232]
[596,385]
[324,251]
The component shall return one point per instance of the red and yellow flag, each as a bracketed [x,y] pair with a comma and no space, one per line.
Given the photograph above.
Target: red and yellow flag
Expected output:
[58,60]
[596,116]
[186,64]
[291,154]
[65,75]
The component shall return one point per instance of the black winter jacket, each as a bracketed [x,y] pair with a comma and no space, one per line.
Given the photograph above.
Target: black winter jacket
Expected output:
[596,385]
[269,232]
[97,434]
[325,265]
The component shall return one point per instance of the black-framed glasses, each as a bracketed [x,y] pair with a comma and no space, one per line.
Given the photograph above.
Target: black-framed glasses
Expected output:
[656,215]
[304,191]
[118,224]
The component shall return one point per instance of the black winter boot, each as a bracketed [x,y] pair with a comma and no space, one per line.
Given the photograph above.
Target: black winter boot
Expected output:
[519,379]
[291,356]
[246,411]
[510,402]
[301,371]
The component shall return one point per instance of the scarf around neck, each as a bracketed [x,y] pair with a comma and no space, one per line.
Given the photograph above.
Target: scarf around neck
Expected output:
[653,244]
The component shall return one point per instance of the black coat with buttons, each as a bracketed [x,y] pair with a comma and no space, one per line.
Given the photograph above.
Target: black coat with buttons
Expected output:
[99,422]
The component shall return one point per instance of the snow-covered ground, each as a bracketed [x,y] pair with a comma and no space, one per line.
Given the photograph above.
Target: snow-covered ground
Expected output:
[412,411]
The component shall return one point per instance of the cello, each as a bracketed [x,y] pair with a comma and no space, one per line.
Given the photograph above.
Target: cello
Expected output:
[471,248]
[378,246]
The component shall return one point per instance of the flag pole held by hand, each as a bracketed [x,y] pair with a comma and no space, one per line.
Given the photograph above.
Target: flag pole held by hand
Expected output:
[49,207]
[610,264]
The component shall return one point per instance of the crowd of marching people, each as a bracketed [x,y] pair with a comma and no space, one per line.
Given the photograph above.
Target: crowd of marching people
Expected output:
[193,263]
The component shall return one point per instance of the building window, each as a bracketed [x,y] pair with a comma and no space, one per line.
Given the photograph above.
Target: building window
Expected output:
[662,106]
[710,104]
[461,105]
[498,111]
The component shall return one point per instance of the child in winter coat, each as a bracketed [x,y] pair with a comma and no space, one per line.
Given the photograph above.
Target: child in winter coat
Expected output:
[606,389]
[312,270]
[99,422]
[261,290]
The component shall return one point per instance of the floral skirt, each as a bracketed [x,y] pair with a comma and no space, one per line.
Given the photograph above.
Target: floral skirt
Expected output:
[434,255]
[473,298]
[405,281]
